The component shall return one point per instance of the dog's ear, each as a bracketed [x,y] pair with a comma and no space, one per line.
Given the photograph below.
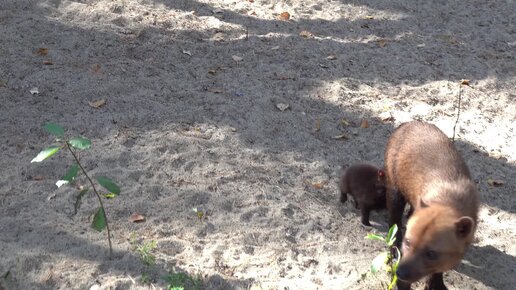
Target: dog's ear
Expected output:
[464,227]
[422,203]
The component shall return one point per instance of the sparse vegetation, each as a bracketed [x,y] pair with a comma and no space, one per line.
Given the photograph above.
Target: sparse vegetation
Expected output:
[182,281]
[146,279]
[74,146]
[388,259]
[200,213]
[144,250]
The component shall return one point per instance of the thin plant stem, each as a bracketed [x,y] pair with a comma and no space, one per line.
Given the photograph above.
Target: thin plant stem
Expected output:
[96,193]
[458,111]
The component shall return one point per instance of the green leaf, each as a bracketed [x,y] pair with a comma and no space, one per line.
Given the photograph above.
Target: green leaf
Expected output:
[69,176]
[391,236]
[375,237]
[99,221]
[78,200]
[80,143]
[108,184]
[393,282]
[54,129]
[45,154]
[396,260]
[71,173]
[379,262]
[109,195]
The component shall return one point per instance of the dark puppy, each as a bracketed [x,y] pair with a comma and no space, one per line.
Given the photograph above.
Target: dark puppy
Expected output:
[366,184]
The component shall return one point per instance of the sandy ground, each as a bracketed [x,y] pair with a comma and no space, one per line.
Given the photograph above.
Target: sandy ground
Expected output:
[191,120]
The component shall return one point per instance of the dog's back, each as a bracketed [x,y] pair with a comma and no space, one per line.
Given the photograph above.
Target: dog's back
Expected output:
[421,162]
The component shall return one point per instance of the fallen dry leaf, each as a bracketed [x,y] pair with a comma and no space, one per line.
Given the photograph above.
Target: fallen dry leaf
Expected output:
[282,107]
[187,52]
[369,17]
[214,70]
[382,42]
[219,36]
[317,125]
[38,177]
[216,90]
[237,58]
[306,34]
[386,117]
[317,185]
[340,137]
[96,69]
[497,155]
[495,182]
[453,41]
[331,57]
[34,91]
[364,123]
[19,148]
[285,16]
[387,108]
[344,122]
[97,103]
[42,51]
[136,218]
[464,82]
[48,62]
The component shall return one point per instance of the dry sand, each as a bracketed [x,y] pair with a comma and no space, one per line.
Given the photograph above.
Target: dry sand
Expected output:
[191,120]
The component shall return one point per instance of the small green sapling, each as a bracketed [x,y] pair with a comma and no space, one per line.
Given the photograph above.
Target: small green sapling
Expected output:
[389,258]
[74,146]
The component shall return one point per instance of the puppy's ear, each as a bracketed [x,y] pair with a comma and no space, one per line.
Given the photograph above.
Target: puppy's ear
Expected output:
[464,227]
[381,176]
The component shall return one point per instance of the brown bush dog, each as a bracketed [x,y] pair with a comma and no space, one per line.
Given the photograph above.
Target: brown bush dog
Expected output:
[424,169]
[366,184]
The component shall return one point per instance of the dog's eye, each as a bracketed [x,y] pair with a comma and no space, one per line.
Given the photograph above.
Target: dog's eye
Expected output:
[406,243]
[431,255]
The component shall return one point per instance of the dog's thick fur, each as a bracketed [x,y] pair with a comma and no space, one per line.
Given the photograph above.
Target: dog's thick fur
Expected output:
[366,184]
[424,169]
